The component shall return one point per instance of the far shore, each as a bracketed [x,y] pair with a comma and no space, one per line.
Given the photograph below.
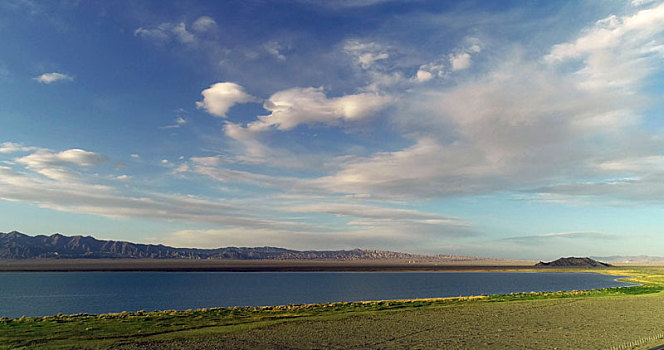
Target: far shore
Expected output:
[184,265]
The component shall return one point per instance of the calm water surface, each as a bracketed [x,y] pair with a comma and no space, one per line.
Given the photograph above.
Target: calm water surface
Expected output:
[49,293]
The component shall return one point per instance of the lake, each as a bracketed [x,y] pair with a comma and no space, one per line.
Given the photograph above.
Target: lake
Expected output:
[50,293]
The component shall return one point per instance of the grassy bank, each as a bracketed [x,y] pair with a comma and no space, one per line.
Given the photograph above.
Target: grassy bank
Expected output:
[165,327]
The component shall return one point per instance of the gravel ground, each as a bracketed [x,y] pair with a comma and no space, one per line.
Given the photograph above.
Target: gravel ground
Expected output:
[590,323]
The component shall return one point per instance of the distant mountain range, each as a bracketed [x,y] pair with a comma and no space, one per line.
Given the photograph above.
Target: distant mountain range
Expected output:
[15,245]
[635,259]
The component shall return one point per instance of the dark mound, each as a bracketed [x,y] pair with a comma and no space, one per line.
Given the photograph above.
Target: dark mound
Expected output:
[573,262]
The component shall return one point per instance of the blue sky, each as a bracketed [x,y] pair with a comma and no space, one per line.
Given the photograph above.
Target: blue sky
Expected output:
[503,129]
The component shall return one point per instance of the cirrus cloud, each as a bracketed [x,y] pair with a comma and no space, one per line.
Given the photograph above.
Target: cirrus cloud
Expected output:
[49,78]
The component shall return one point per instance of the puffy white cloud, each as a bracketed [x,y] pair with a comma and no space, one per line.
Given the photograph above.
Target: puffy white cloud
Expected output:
[429,71]
[423,76]
[48,78]
[220,97]
[462,57]
[204,24]
[460,61]
[292,107]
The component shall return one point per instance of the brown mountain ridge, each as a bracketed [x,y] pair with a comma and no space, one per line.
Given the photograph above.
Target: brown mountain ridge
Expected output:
[16,245]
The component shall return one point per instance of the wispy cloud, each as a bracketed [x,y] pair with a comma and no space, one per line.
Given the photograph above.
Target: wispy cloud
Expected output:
[538,239]
[49,78]
[179,122]
[13,147]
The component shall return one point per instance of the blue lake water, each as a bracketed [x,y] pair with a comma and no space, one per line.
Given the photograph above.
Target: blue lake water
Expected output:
[49,293]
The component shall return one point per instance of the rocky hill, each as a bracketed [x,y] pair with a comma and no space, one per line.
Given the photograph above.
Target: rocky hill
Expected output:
[15,245]
[573,262]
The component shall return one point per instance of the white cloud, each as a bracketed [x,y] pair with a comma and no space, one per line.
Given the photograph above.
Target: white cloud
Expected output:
[161,33]
[616,52]
[179,121]
[546,238]
[645,188]
[641,2]
[461,58]
[208,161]
[204,24]
[518,126]
[181,33]
[12,147]
[460,61]
[79,197]
[251,149]
[220,97]
[365,226]
[366,54]
[48,78]
[60,165]
[245,177]
[242,237]
[343,4]
[292,107]
[304,240]
[77,157]
[380,214]
[274,49]
[423,76]
[426,169]
[166,32]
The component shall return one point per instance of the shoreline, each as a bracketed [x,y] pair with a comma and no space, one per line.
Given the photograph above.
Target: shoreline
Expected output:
[152,265]
[548,317]
[505,297]
[234,327]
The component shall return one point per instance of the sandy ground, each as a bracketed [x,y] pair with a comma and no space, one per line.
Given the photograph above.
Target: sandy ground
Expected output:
[591,323]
